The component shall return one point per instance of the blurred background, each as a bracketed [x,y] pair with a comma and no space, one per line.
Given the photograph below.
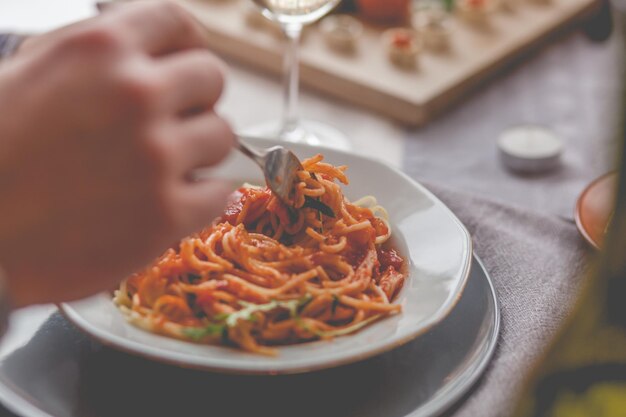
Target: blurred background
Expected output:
[567,82]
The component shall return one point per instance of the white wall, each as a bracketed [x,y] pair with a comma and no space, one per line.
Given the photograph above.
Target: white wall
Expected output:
[41,15]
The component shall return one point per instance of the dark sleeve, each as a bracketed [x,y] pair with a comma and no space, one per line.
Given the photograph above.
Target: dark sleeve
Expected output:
[9,43]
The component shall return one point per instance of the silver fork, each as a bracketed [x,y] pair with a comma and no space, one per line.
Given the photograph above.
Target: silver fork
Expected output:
[279,166]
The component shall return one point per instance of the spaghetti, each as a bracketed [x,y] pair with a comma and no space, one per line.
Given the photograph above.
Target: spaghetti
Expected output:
[267,274]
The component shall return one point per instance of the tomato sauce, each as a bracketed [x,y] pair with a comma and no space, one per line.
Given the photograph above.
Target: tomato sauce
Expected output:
[239,198]
[389,257]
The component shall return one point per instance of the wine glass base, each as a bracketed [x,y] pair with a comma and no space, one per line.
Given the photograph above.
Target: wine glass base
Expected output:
[308,132]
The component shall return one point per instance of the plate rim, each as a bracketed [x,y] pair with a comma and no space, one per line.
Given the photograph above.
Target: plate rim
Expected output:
[438,404]
[579,205]
[187,361]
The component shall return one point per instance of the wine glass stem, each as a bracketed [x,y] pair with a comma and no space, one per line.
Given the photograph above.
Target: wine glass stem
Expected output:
[291,70]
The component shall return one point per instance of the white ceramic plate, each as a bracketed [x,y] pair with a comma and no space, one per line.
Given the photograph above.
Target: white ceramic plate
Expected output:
[425,231]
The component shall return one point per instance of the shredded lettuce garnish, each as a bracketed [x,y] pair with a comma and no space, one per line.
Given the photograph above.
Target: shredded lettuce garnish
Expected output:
[225,321]
[199,333]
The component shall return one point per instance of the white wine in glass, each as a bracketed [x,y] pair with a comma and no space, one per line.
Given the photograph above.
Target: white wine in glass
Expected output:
[292,15]
[300,12]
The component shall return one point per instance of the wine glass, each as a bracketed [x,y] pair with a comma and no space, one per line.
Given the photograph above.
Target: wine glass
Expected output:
[292,15]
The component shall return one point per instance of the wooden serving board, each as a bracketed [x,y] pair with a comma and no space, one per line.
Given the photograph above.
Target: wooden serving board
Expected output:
[369,79]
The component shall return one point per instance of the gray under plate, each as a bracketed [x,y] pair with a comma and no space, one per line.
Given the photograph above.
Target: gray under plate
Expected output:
[60,372]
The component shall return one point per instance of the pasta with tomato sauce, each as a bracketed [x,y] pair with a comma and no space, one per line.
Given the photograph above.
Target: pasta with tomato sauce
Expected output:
[267,274]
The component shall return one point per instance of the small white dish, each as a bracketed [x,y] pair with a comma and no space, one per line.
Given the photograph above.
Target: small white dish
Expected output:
[530,149]
[476,11]
[341,32]
[435,244]
[432,21]
[403,46]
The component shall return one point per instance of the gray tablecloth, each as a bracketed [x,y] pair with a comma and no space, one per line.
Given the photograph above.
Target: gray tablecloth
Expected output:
[537,259]
[537,262]
[535,256]
[519,227]
[573,87]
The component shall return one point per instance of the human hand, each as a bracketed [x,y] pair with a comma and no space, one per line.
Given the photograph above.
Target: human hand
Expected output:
[101,124]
